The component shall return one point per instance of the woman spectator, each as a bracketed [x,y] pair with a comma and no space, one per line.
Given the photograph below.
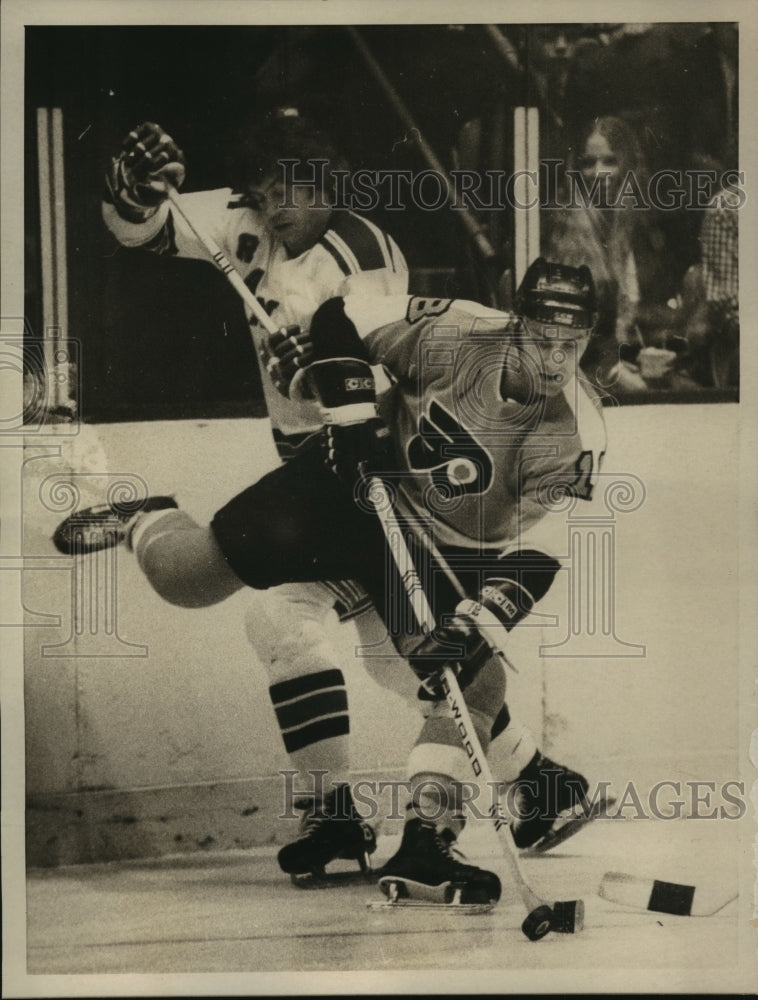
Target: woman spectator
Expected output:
[616,237]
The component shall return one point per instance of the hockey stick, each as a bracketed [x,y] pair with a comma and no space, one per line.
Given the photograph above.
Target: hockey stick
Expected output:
[662,897]
[475,230]
[223,263]
[105,517]
[428,542]
[541,918]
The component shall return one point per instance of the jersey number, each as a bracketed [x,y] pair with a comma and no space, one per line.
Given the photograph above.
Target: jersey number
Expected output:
[586,476]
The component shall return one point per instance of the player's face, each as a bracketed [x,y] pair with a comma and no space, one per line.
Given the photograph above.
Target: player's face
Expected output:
[556,352]
[294,214]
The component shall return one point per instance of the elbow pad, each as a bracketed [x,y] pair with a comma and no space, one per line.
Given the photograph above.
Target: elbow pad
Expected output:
[339,375]
[333,335]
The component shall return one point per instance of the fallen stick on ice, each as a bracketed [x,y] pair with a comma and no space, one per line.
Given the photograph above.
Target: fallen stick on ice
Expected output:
[662,897]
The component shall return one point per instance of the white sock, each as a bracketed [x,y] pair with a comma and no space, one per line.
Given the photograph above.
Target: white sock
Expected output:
[511,751]
[144,521]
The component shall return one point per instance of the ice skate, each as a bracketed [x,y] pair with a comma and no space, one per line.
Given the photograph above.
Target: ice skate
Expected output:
[424,872]
[104,525]
[552,805]
[329,831]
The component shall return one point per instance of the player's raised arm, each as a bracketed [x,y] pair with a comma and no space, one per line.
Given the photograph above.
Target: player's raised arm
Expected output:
[136,181]
[135,204]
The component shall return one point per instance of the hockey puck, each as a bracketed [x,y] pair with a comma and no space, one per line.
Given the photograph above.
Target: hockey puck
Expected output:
[538,923]
[568,916]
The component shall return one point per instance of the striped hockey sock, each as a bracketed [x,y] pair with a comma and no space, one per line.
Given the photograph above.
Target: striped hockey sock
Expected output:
[312,713]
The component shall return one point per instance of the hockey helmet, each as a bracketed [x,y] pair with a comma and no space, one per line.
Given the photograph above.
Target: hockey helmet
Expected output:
[558,295]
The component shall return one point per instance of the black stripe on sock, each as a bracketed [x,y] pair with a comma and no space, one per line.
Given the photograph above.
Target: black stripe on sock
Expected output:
[298,686]
[311,707]
[324,729]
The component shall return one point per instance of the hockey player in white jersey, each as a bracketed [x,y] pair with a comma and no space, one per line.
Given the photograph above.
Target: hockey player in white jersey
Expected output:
[487,421]
[294,252]
[291,247]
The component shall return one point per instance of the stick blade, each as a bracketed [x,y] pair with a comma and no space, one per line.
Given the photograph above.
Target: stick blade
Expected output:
[659,896]
[647,893]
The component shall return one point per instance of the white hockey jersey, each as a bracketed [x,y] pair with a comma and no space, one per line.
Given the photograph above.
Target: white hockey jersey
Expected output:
[353,255]
[478,465]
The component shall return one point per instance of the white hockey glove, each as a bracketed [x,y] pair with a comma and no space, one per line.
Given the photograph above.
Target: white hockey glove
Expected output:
[148,161]
[285,353]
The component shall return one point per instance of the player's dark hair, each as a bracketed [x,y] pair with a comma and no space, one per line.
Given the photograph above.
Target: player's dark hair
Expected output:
[288,136]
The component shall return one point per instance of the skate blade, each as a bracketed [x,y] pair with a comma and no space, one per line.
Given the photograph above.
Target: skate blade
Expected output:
[332,880]
[462,909]
[82,537]
[405,892]
[102,526]
[569,828]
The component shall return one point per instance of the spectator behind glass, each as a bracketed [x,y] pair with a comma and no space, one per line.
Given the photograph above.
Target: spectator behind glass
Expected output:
[625,251]
[710,295]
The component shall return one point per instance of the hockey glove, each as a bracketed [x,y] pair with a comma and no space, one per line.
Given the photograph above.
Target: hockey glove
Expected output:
[357,450]
[355,441]
[285,353]
[502,604]
[148,161]
[471,637]
[457,645]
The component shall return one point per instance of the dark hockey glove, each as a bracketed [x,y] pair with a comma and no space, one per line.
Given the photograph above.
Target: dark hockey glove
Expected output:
[457,645]
[148,161]
[502,604]
[357,450]
[285,353]
[354,439]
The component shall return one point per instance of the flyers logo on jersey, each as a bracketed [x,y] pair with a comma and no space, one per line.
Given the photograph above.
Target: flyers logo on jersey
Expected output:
[420,307]
[458,464]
